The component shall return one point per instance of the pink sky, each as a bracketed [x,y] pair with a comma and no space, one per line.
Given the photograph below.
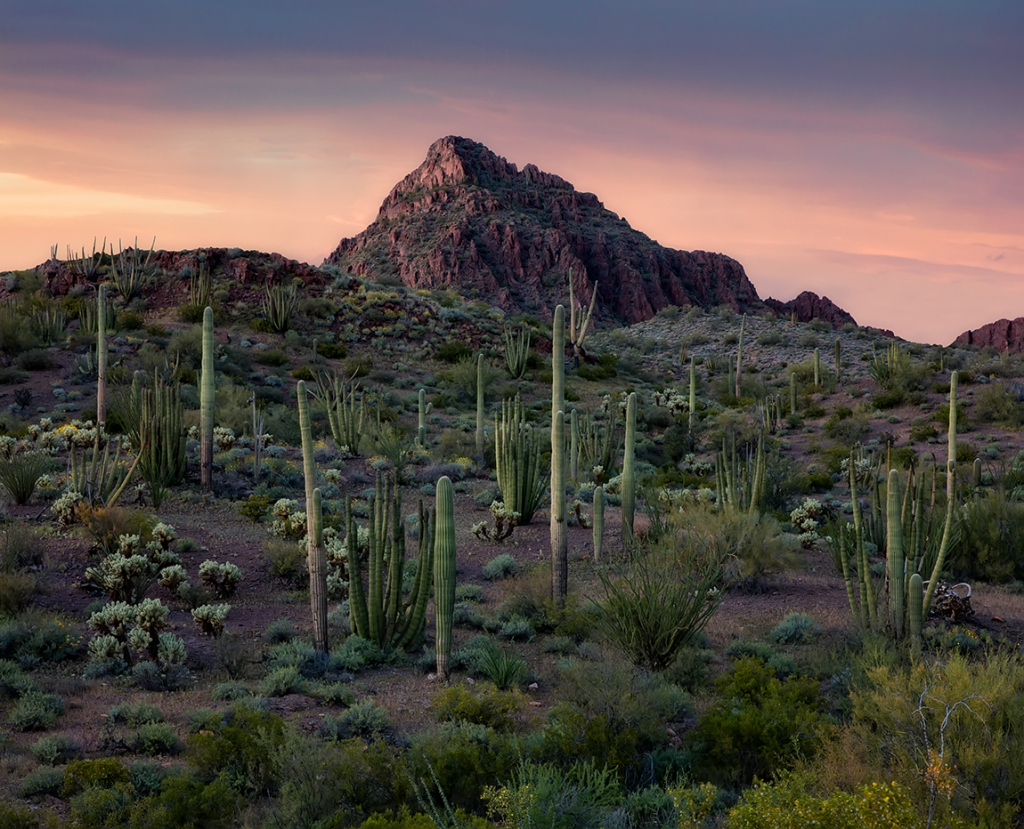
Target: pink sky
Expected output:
[882,167]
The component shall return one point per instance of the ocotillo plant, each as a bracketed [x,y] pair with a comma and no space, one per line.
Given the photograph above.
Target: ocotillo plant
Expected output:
[598,523]
[206,404]
[517,453]
[739,356]
[102,480]
[444,574]
[578,321]
[628,473]
[424,409]
[316,554]
[480,405]
[559,539]
[101,356]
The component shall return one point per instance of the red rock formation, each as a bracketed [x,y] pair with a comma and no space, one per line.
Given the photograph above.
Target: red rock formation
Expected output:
[1002,335]
[809,306]
[470,220]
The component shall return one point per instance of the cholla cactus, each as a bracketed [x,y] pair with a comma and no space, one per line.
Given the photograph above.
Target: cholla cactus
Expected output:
[806,519]
[209,618]
[222,578]
[505,521]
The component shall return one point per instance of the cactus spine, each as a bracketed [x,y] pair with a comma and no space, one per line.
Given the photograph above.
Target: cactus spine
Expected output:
[444,574]
[206,404]
[101,356]
[628,473]
[425,409]
[480,405]
[559,539]
[598,523]
[316,554]
[739,355]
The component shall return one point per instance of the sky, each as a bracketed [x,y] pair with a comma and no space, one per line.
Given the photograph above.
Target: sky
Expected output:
[869,151]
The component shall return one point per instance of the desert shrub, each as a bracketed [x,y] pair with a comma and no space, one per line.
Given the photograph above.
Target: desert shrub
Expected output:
[363,719]
[581,796]
[691,669]
[278,631]
[99,807]
[469,593]
[955,721]
[56,749]
[15,591]
[283,681]
[462,759]
[759,724]
[500,567]
[14,682]
[991,539]
[43,781]
[156,738]
[483,704]
[35,711]
[788,802]
[35,359]
[226,691]
[242,751]
[356,653]
[506,670]
[461,379]
[285,558]
[135,714]
[796,629]
[335,693]
[80,775]
[180,799]
[453,352]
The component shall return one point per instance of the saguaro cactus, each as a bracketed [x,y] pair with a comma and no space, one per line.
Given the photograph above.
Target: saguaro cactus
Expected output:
[628,474]
[480,405]
[578,321]
[739,355]
[444,573]
[894,555]
[101,356]
[425,409]
[574,447]
[206,404]
[817,368]
[915,607]
[316,555]
[838,361]
[693,397]
[559,539]
[792,392]
[598,523]
[558,362]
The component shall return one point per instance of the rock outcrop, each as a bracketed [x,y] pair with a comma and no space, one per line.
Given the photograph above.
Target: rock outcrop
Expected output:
[470,220]
[1002,335]
[809,306]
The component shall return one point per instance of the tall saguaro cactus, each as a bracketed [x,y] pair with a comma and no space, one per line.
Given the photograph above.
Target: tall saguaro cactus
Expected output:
[444,573]
[559,539]
[480,405]
[897,571]
[578,322]
[693,398]
[316,554]
[558,362]
[739,356]
[598,523]
[628,472]
[101,356]
[206,404]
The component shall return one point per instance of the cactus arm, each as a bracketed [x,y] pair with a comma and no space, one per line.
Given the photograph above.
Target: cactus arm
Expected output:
[422,584]
[558,363]
[915,609]
[358,616]
[444,574]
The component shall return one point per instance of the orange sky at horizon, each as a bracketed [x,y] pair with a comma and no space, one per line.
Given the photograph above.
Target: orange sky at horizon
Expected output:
[901,215]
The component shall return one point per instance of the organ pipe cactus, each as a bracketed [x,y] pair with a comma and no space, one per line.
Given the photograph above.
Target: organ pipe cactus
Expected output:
[424,409]
[559,539]
[444,574]
[915,608]
[517,351]
[206,404]
[101,356]
[741,486]
[628,471]
[316,554]
[161,438]
[379,612]
[346,415]
[517,454]
[598,523]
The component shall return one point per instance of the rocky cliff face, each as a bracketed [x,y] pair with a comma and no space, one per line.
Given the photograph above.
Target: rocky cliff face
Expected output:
[470,220]
[1002,335]
[809,306]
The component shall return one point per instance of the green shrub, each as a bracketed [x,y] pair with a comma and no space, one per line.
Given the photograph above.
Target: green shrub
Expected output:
[156,738]
[226,691]
[759,724]
[241,751]
[500,567]
[36,711]
[15,591]
[335,693]
[454,352]
[43,781]
[796,629]
[14,682]
[483,704]
[20,474]
[283,681]
[363,719]
[356,653]
[80,775]
[135,714]
[991,544]
[56,749]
